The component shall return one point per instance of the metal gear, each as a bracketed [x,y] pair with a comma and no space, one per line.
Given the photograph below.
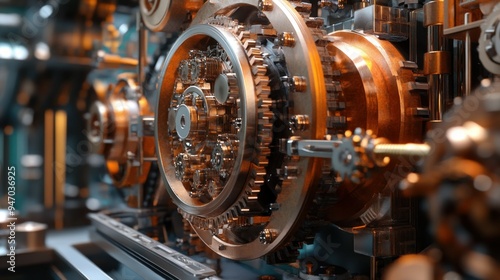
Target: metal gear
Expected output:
[224,151]
[489,42]
[249,210]
[110,134]
[290,97]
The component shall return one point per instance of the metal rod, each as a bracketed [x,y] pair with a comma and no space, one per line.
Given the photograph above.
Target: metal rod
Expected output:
[413,37]
[419,150]
[468,61]
[60,166]
[437,82]
[106,61]
[143,53]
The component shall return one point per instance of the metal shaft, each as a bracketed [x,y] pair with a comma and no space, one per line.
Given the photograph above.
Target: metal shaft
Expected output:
[419,150]
[106,61]
[468,61]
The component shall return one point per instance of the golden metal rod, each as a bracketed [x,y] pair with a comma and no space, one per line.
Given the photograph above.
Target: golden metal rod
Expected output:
[420,150]
[60,166]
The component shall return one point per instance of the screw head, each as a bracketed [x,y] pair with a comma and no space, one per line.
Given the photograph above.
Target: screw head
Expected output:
[274,206]
[299,83]
[299,122]
[267,236]
[265,5]
[286,39]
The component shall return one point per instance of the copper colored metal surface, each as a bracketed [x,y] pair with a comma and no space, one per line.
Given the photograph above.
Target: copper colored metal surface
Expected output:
[109,130]
[434,13]
[375,85]
[437,62]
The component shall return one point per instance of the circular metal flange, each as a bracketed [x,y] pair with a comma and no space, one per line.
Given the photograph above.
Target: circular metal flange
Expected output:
[98,127]
[109,130]
[192,39]
[376,87]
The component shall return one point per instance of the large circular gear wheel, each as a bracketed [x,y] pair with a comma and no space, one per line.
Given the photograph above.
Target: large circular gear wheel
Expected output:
[214,147]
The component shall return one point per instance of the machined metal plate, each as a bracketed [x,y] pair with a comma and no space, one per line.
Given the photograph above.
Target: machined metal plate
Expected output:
[156,253]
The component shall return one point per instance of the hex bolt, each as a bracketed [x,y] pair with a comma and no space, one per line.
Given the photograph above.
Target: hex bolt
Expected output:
[274,206]
[267,236]
[299,83]
[265,5]
[299,122]
[286,39]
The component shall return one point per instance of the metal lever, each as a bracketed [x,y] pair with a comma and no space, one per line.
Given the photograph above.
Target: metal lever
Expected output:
[354,153]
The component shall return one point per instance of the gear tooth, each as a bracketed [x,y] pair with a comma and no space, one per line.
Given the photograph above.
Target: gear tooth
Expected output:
[243,204]
[253,173]
[206,224]
[315,22]
[254,52]
[238,28]
[266,117]
[259,170]
[303,8]
[265,151]
[234,212]
[259,181]
[256,60]
[220,222]
[264,138]
[253,197]
[264,90]
[229,214]
[259,70]
[250,45]
[286,183]
[262,161]
[266,121]
[255,192]
[262,80]
[244,36]
[264,104]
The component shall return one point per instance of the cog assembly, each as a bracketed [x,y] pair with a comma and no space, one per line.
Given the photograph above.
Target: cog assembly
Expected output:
[121,130]
[229,98]
[321,139]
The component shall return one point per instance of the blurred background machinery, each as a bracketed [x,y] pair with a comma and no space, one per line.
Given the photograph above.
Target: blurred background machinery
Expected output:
[254,139]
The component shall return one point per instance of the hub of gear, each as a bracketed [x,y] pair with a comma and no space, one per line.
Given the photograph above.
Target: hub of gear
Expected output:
[110,134]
